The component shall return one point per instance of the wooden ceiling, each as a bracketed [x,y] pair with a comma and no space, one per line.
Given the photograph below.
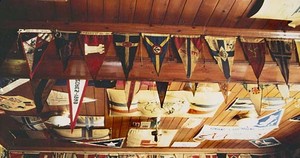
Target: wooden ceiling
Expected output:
[205,17]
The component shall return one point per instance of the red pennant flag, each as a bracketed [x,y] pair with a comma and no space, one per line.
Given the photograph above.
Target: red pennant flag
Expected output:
[95,48]
[162,91]
[131,88]
[76,89]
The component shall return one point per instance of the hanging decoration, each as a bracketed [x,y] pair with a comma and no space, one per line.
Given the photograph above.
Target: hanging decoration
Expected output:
[76,89]
[281,53]
[255,95]
[191,86]
[156,45]
[131,88]
[254,50]
[284,90]
[162,88]
[189,49]
[126,47]
[96,45]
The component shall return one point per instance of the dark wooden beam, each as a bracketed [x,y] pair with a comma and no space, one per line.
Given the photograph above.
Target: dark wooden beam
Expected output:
[146,28]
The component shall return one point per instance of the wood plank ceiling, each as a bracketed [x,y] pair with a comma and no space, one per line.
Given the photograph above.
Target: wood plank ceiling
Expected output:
[151,16]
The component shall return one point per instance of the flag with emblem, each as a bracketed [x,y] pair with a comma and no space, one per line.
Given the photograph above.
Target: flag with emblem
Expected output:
[255,95]
[254,51]
[297,44]
[76,89]
[189,49]
[34,43]
[222,50]
[126,47]
[162,88]
[156,45]
[280,50]
[131,88]
[65,44]
[96,45]
[113,143]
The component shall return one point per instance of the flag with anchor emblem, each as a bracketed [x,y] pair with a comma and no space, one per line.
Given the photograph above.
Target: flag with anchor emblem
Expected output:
[254,50]
[95,49]
[189,49]
[222,50]
[34,43]
[156,46]
[126,46]
[281,53]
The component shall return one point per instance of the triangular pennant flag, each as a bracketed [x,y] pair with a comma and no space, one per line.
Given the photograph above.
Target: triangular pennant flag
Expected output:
[162,88]
[233,155]
[65,43]
[284,91]
[156,46]
[281,53]
[34,46]
[7,40]
[76,89]
[254,50]
[189,50]
[207,155]
[191,86]
[255,95]
[297,43]
[126,46]
[131,88]
[224,89]
[41,89]
[113,143]
[222,50]
[95,49]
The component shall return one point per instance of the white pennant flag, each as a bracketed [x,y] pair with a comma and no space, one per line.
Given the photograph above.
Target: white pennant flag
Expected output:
[76,93]
[255,94]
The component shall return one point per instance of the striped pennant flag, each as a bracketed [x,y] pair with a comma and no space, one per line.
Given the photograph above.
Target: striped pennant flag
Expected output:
[126,47]
[189,49]
[254,51]
[76,89]
[222,50]
[281,53]
[131,88]
[96,45]
[156,45]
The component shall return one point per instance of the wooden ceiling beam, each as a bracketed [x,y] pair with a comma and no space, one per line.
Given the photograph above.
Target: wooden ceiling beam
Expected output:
[146,28]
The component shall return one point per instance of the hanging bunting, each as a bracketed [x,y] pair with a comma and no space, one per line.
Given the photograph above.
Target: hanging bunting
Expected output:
[162,88]
[96,45]
[76,89]
[131,88]
[189,50]
[255,95]
[126,47]
[156,46]
[284,91]
[65,43]
[222,50]
[191,86]
[297,43]
[254,50]
[281,53]
[34,45]
[41,89]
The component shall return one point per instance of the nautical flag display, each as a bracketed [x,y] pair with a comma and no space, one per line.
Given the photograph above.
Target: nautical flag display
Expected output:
[65,43]
[222,50]
[162,88]
[76,89]
[34,46]
[113,143]
[255,94]
[297,43]
[95,48]
[126,46]
[131,88]
[189,49]
[41,89]
[156,46]
[254,50]
[281,53]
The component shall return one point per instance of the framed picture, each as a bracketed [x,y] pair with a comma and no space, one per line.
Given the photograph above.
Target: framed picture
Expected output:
[265,142]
